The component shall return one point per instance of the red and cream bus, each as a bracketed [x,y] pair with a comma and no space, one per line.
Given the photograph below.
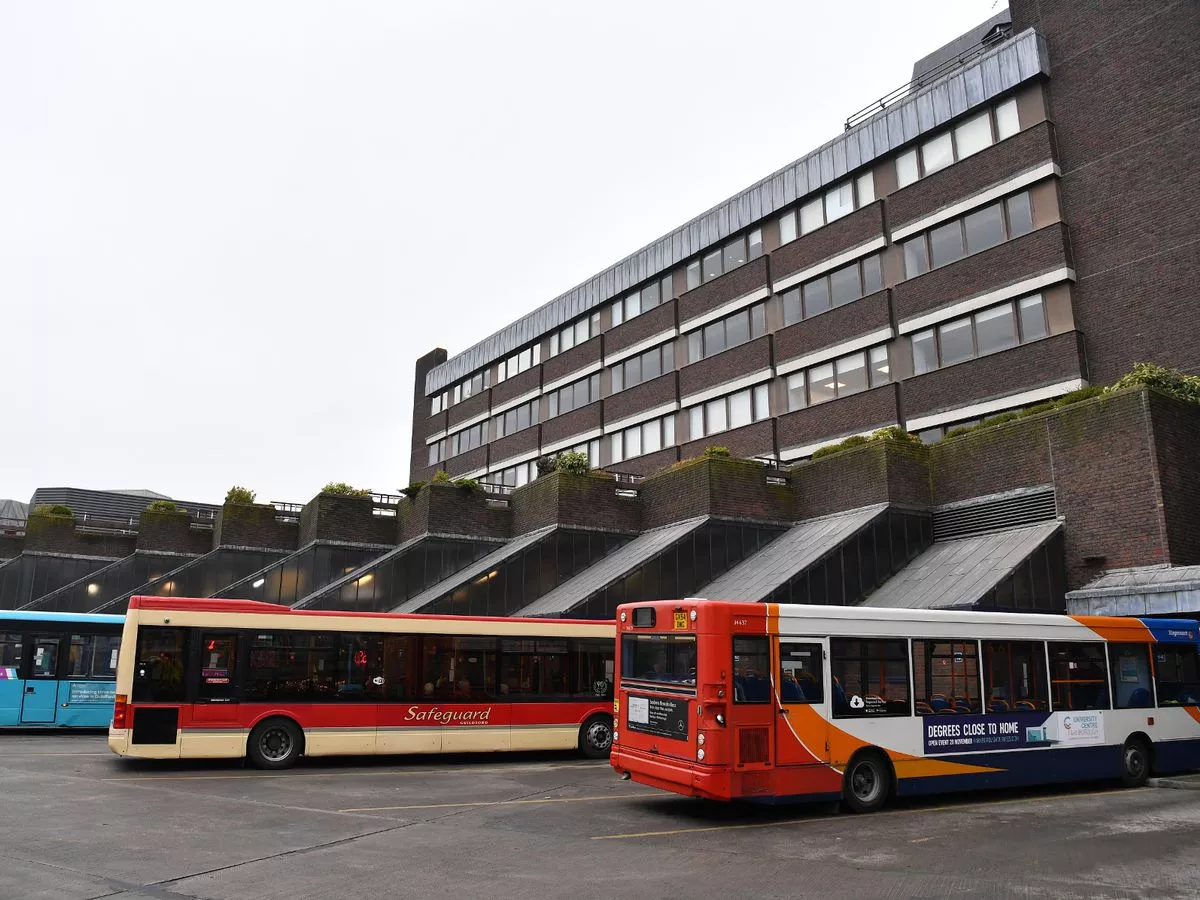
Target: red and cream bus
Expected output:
[777,703]
[234,678]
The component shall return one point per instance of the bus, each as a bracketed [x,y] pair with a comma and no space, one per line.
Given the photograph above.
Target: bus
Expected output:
[778,703]
[242,678]
[57,670]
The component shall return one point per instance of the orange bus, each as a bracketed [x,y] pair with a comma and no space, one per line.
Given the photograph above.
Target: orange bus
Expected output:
[240,678]
[778,703]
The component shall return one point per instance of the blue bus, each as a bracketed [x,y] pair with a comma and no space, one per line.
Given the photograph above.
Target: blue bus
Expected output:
[58,669]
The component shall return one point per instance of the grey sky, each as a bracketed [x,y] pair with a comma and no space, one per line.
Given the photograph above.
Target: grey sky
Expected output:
[227,229]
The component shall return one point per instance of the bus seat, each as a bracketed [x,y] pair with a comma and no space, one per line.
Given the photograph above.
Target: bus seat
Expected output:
[924,708]
[962,706]
[1025,706]
[1139,698]
[791,692]
[998,706]
[938,702]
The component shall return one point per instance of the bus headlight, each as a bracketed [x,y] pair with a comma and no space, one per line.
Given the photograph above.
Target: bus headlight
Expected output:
[700,754]
[693,615]
[721,720]
[615,735]
[622,615]
[700,739]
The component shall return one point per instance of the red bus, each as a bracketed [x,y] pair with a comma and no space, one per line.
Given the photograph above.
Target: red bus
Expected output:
[233,678]
[775,703]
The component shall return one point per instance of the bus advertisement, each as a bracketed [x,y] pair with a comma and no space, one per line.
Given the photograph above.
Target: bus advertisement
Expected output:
[775,703]
[241,678]
[57,670]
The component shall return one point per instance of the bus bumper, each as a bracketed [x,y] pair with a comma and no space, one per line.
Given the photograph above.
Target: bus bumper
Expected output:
[118,741]
[675,775]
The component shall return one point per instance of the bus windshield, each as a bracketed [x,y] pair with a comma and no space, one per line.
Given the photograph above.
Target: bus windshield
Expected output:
[659,657]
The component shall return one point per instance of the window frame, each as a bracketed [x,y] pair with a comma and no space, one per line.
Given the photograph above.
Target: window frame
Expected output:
[835,658]
[934,332]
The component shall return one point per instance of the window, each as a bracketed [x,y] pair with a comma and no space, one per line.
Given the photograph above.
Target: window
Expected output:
[574,396]
[797,391]
[659,657]
[534,668]
[988,331]
[870,677]
[800,672]
[1014,675]
[639,440]
[459,442]
[738,328]
[864,185]
[880,368]
[161,658]
[1006,119]
[10,654]
[1078,675]
[1175,675]
[985,227]
[515,476]
[731,255]
[1130,672]
[840,286]
[751,670]
[643,367]
[458,669]
[946,244]
[937,153]
[839,201]
[576,333]
[590,449]
[946,677]
[292,665]
[218,665]
[518,363]
[693,275]
[957,143]
[1020,214]
[908,169]
[812,216]
[435,404]
[787,227]
[93,656]
[592,668]
[644,300]
[973,135]
[916,257]
[846,375]
[516,419]
[728,412]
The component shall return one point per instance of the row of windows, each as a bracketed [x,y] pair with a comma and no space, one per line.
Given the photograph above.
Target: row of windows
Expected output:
[988,331]
[641,440]
[459,442]
[643,367]
[517,419]
[40,656]
[976,231]
[965,139]
[574,396]
[734,253]
[515,476]
[730,411]
[731,331]
[577,333]
[850,374]
[837,288]
[633,305]
[871,676]
[837,202]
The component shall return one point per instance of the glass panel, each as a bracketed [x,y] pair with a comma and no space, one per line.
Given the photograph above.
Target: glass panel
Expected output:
[633,371]
[851,374]
[865,184]
[973,135]
[751,670]
[525,415]
[218,656]
[880,369]
[758,320]
[582,329]
[616,447]
[1130,674]
[1006,119]
[870,677]
[659,657]
[795,392]
[762,407]
[906,168]
[714,414]
[946,243]
[739,409]
[618,378]
[734,254]
[1175,675]
[872,275]
[1014,674]
[696,422]
[668,424]
[1032,312]
[821,384]
[916,257]
[756,247]
[812,216]
[712,265]
[844,285]
[816,297]
[1078,675]
[955,341]
[737,329]
[839,201]
[618,316]
[946,677]
[651,365]
[566,338]
[985,228]
[666,289]
[693,275]
[937,154]
[714,338]
[800,668]
[648,297]
[924,352]
[787,227]
[633,305]
[633,441]
[668,357]
[1020,215]
[651,437]
[995,329]
[791,307]
[695,346]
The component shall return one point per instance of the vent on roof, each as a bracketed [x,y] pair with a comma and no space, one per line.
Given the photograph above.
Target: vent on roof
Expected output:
[999,511]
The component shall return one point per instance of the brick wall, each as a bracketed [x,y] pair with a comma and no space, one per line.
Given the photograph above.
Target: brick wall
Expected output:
[560,498]
[423,424]
[11,545]
[853,230]
[172,533]
[725,366]
[332,517]
[517,386]
[861,317]
[640,327]
[1054,359]
[523,441]
[648,464]
[729,488]
[572,360]
[1031,254]
[741,281]
[58,534]
[880,472]
[848,415]
[647,395]
[1177,452]
[757,439]
[254,525]
[467,409]
[577,421]
[991,460]
[471,461]
[448,509]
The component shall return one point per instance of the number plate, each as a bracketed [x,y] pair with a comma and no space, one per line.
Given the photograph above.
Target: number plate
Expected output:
[680,621]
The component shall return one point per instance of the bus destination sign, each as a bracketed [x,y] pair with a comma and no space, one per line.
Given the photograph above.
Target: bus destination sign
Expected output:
[662,716]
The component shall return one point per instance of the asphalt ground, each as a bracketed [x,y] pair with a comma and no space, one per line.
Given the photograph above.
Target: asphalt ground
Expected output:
[76,823]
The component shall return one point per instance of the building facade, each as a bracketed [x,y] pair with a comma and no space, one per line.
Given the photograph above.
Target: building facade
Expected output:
[1015,226]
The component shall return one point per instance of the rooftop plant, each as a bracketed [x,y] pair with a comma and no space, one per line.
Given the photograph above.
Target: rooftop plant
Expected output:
[163,506]
[238,494]
[345,490]
[55,509]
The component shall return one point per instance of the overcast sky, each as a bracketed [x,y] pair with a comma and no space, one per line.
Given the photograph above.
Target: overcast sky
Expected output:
[228,229]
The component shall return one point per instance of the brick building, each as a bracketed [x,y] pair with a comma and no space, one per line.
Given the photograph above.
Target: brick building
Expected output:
[1016,225]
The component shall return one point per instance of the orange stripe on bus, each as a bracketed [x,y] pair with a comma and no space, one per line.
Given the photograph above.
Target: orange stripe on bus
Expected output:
[1110,628]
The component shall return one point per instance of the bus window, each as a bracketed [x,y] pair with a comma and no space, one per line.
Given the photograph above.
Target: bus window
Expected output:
[400,667]
[10,655]
[1078,675]
[45,657]
[800,678]
[461,668]
[105,648]
[1175,675]
[593,669]
[751,670]
[533,667]
[359,674]
[1130,671]
[218,659]
[158,673]
[946,678]
[659,657]
[870,677]
[1014,674]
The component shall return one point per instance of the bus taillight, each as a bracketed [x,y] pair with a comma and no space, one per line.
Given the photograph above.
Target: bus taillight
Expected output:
[120,711]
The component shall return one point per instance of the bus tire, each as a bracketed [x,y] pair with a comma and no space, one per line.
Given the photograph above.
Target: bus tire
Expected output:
[868,782]
[1135,762]
[595,736]
[275,744]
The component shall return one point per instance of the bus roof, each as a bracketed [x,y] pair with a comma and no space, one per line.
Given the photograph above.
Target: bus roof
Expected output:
[16,615]
[190,604]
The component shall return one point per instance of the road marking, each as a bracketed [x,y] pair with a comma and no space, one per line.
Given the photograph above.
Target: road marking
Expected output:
[366,809]
[814,819]
[918,840]
[407,773]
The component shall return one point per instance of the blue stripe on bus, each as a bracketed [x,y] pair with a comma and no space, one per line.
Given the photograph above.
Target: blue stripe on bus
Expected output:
[81,618]
[1173,631]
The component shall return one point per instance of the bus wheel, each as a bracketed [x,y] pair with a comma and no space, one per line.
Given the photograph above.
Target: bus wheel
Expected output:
[1135,762]
[868,783]
[275,744]
[595,737]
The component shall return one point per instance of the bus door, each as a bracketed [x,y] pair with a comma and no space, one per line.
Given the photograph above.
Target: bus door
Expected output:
[753,709]
[802,707]
[12,684]
[216,691]
[40,699]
